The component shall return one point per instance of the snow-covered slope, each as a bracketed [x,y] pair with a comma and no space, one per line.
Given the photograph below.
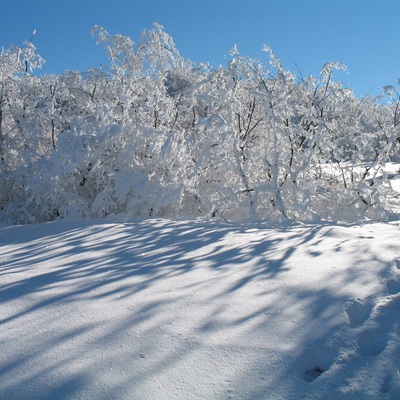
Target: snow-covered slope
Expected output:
[158,309]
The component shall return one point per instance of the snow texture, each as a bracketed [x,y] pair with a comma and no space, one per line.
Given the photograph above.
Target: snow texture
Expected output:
[162,309]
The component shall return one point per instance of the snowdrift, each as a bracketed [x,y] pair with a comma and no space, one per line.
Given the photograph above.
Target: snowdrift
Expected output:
[161,309]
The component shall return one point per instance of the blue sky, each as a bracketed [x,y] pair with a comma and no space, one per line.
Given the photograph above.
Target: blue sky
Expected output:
[363,34]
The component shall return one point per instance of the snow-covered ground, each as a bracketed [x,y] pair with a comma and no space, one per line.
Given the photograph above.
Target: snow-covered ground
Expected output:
[161,309]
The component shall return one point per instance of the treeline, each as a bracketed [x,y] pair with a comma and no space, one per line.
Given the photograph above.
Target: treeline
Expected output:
[152,134]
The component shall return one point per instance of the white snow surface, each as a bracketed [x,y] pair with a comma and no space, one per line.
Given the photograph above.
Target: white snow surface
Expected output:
[163,309]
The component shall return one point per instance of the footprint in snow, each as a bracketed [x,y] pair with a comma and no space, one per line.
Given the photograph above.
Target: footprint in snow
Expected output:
[358,311]
[387,384]
[317,361]
[372,342]
[393,283]
[313,374]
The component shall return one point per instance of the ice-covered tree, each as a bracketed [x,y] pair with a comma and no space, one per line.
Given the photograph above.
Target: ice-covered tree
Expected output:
[153,134]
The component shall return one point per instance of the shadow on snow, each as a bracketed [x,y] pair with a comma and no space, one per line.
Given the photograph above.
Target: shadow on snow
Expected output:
[101,310]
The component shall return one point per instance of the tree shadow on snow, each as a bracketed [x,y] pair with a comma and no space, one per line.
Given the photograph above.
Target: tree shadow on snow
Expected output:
[122,309]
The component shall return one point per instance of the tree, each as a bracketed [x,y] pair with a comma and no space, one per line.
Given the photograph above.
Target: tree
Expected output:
[152,134]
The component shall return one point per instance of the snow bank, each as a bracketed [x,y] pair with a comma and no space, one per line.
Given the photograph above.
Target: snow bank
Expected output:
[158,309]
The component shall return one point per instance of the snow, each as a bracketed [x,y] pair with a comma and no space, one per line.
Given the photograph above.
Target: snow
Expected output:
[122,308]
[163,309]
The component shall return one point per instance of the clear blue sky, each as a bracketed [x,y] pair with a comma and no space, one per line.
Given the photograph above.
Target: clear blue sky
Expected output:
[363,34]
